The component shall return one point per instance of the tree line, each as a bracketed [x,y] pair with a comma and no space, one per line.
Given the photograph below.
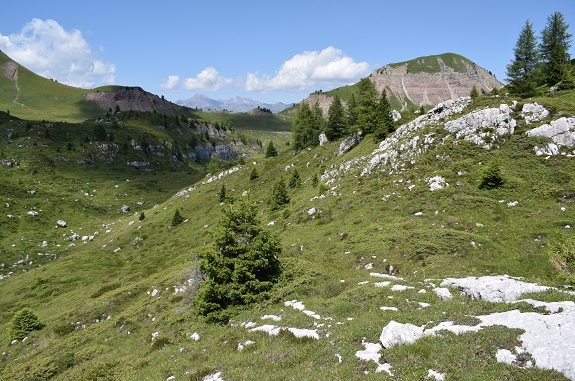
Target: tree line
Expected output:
[368,112]
[544,61]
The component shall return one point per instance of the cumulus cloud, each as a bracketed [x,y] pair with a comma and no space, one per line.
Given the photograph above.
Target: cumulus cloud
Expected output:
[329,66]
[207,80]
[172,83]
[47,49]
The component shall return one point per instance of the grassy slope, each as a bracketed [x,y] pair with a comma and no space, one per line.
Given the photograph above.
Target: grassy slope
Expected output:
[107,295]
[43,99]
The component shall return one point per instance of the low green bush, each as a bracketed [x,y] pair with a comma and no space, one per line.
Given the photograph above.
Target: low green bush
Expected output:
[23,322]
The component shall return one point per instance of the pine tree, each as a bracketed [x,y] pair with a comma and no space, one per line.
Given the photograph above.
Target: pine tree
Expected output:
[271,150]
[336,125]
[474,93]
[307,126]
[177,218]
[555,44]
[352,114]
[279,196]
[367,106]
[222,194]
[294,180]
[303,119]
[522,71]
[318,124]
[385,124]
[254,175]
[242,266]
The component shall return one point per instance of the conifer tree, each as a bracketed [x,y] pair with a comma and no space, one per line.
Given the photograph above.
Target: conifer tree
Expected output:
[474,93]
[522,71]
[279,196]
[385,124]
[22,323]
[271,150]
[254,175]
[352,114]
[177,218]
[307,126]
[555,44]
[367,106]
[222,194]
[336,125]
[242,266]
[294,180]
[318,124]
[303,119]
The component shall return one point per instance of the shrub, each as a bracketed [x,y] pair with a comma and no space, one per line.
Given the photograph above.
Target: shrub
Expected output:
[492,176]
[23,322]
[562,257]
[254,175]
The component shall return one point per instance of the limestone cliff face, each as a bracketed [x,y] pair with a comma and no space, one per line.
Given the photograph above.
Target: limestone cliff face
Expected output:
[425,81]
[440,82]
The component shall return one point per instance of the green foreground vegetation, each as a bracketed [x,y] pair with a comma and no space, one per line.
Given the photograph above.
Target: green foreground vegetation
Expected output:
[121,305]
[125,257]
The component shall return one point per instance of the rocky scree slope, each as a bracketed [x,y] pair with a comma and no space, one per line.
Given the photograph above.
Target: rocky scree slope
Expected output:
[447,124]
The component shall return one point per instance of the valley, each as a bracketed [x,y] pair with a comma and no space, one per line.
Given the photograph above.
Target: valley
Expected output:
[425,255]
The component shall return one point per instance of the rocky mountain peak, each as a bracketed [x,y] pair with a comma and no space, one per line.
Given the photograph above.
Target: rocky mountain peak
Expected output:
[428,81]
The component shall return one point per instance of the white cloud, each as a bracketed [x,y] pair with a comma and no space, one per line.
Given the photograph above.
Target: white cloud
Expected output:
[44,47]
[172,83]
[304,71]
[207,80]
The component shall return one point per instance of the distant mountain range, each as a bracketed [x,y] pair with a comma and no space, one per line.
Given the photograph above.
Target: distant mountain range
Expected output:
[237,104]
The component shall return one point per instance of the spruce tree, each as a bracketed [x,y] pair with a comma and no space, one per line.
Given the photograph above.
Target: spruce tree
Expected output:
[294,180]
[222,195]
[352,114]
[242,266]
[279,196]
[367,106]
[271,150]
[254,175]
[555,44]
[301,125]
[336,125]
[385,124]
[318,124]
[177,218]
[22,323]
[522,71]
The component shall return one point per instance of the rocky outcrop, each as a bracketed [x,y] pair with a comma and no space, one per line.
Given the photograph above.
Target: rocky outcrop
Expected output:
[424,81]
[323,100]
[561,131]
[134,98]
[436,84]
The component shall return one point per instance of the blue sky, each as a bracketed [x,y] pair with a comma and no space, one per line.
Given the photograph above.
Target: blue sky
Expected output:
[269,51]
